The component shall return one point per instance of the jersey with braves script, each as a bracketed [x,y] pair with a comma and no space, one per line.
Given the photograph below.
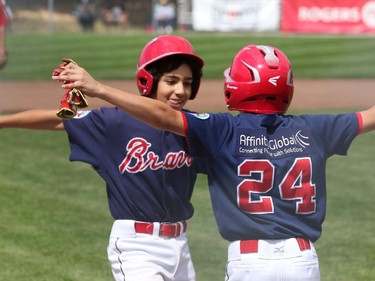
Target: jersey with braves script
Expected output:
[148,174]
[267,172]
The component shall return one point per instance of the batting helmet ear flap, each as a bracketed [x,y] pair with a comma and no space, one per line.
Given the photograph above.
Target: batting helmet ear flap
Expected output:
[145,82]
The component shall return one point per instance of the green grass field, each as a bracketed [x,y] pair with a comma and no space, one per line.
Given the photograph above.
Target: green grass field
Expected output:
[114,56]
[54,220]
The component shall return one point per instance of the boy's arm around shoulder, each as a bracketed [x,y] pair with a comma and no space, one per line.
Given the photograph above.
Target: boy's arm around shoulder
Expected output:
[153,112]
[36,119]
[368,120]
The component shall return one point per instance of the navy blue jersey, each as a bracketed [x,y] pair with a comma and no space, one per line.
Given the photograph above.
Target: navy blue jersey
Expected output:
[148,174]
[267,172]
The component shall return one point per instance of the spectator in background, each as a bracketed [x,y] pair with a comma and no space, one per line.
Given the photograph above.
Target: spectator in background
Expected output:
[115,14]
[86,14]
[164,16]
[3,25]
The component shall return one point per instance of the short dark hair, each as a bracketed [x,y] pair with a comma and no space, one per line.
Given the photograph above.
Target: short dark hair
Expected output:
[169,63]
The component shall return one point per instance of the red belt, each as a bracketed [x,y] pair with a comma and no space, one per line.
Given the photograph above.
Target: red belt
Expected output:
[165,230]
[251,246]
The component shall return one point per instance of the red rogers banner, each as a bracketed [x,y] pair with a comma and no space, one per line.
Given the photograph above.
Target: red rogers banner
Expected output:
[328,16]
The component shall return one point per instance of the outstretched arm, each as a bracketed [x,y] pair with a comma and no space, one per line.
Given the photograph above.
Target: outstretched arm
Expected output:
[36,119]
[153,112]
[368,118]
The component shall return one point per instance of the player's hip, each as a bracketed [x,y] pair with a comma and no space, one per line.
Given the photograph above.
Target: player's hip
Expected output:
[150,251]
[132,228]
[269,260]
[272,248]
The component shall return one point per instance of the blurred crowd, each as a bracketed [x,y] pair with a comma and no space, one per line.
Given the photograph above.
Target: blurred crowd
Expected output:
[115,14]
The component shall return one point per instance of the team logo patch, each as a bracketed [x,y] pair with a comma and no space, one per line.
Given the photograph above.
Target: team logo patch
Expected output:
[81,114]
[202,116]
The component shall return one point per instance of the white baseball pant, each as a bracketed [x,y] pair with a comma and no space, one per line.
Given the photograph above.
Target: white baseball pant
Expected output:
[149,252]
[292,259]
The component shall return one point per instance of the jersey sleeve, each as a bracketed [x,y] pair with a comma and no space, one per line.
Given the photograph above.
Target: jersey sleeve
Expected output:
[336,132]
[206,133]
[86,133]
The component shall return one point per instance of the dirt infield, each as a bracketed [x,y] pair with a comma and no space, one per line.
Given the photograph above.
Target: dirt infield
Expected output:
[308,94]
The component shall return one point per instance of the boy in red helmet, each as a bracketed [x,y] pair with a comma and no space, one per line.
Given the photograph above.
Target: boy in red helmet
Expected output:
[266,169]
[149,175]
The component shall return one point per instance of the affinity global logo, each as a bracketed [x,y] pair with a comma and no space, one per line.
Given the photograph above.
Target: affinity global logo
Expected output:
[279,145]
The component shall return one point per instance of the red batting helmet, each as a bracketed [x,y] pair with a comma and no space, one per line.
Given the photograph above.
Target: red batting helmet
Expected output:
[260,80]
[158,48]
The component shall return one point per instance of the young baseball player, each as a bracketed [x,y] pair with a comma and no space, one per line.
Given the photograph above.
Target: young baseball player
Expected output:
[149,175]
[266,169]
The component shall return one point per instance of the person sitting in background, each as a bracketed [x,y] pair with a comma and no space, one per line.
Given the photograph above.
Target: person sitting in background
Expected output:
[86,14]
[164,16]
[115,14]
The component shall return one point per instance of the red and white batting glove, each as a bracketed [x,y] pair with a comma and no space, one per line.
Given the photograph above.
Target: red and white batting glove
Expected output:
[73,98]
